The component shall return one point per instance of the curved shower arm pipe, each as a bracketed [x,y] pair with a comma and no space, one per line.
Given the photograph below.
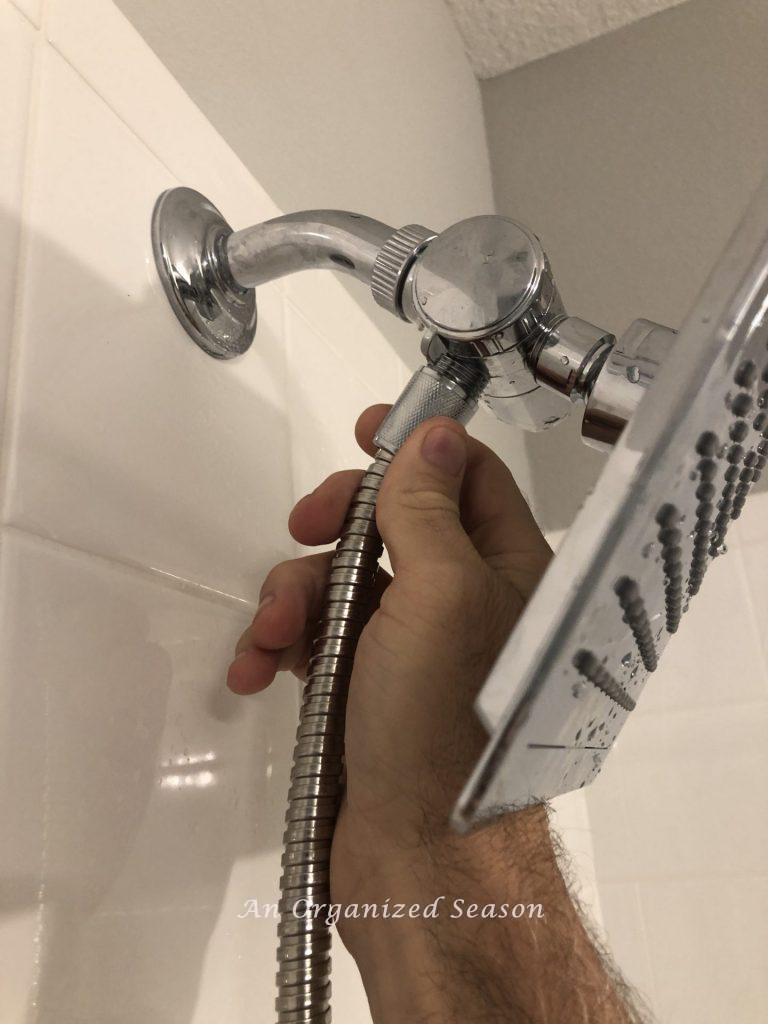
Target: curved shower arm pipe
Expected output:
[325,239]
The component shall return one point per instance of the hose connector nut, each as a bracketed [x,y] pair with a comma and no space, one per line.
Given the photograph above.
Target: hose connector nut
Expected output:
[393,262]
[450,387]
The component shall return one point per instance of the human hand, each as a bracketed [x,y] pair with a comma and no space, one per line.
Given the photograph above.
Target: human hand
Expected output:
[466,555]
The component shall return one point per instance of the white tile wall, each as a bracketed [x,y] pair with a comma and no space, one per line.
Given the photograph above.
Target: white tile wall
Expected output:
[18,45]
[625,937]
[144,490]
[709,944]
[136,783]
[209,518]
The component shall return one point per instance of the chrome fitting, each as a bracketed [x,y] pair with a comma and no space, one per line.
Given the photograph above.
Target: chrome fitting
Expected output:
[629,369]
[449,387]
[391,266]
[482,291]
[571,356]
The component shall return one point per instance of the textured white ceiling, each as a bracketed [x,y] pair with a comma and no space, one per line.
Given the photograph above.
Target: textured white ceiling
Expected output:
[503,34]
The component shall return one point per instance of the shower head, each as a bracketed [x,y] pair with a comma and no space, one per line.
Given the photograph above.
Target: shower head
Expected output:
[636,554]
[681,463]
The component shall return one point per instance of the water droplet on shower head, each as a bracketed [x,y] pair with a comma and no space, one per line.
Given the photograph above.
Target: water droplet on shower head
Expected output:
[626,661]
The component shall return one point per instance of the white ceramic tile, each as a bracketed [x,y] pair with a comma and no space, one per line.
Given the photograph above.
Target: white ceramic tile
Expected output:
[325,396]
[19,927]
[625,937]
[695,793]
[129,440]
[31,9]
[110,54]
[144,800]
[570,820]
[715,658]
[17,37]
[708,942]
[348,330]
[755,558]
[614,854]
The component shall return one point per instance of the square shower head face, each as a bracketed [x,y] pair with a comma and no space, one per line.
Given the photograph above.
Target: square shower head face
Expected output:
[638,551]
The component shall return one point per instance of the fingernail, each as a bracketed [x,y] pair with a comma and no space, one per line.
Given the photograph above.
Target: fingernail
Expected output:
[444,449]
[266,599]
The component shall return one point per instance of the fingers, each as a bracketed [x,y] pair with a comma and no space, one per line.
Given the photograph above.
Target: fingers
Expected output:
[367,425]
[418,511]
[282,631]
[318,517]
[275,640]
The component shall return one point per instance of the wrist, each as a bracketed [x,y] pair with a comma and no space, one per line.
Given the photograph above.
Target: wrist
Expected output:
[423,907]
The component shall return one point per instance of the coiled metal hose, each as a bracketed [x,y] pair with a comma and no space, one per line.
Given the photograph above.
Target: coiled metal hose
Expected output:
[449,388]
[304,939]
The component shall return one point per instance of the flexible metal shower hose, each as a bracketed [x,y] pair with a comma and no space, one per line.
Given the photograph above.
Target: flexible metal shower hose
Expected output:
[304,940]
[449,387]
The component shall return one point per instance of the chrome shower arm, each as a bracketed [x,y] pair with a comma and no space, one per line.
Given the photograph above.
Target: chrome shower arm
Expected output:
[481,291]
[314,239]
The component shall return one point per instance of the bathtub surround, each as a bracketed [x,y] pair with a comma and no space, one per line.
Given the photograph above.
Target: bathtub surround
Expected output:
[141,509]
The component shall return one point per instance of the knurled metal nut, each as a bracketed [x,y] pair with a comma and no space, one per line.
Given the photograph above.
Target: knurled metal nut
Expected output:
[393,262]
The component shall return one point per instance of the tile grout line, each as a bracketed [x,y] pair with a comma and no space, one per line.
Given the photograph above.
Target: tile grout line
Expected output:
[12,388]
[92,87]
[181,584]
[116,113]
[325,336]
[278,285]
[20,11]
[286,363]
[7,448]
[746,582]
[15,355]
[646,943]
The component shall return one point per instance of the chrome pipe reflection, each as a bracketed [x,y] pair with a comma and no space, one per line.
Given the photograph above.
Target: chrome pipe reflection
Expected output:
[326,239]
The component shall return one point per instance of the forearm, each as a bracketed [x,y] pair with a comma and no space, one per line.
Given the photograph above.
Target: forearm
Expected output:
[533,961]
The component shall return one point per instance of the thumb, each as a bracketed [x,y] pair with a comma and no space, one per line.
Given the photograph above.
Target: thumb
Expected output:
[418,508]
